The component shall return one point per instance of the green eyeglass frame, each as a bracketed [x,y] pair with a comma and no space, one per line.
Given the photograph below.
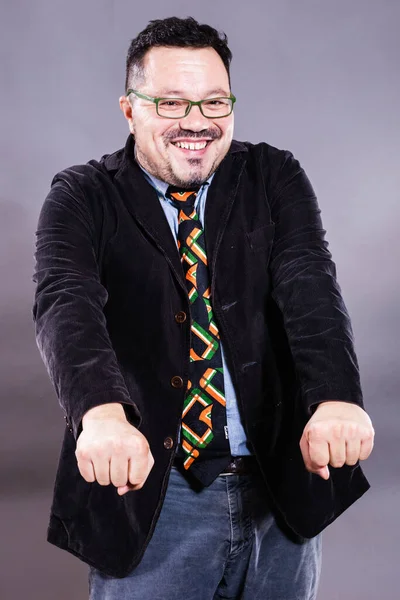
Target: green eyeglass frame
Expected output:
[191,103]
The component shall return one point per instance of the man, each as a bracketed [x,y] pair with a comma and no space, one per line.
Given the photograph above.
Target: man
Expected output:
[188,313]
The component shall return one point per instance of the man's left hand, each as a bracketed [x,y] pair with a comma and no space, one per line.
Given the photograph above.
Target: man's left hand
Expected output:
[337,434]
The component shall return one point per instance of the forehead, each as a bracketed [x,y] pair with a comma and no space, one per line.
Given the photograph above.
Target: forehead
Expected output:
[178,70]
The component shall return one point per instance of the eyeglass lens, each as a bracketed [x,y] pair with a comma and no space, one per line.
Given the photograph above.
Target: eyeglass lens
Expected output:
[175,107]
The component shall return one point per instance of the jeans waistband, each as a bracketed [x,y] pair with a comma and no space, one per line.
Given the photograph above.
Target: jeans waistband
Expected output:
[239,465]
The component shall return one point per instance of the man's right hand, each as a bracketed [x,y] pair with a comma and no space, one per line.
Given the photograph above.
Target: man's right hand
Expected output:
[111,450]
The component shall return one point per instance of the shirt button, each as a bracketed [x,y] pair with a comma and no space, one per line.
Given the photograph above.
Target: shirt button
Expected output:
[176,381]
[180,317]
[168,443]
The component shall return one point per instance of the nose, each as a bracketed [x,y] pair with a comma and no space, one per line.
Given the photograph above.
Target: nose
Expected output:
[195,121]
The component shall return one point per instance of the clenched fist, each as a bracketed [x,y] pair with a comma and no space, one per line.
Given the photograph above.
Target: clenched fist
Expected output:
[111,450]
[338,433]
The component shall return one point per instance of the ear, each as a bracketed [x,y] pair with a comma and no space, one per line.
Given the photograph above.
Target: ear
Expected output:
[126,107]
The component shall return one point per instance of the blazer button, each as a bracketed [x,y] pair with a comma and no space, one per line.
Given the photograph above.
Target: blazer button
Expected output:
[168,443]
[68,424]
[180,317]
[176,381]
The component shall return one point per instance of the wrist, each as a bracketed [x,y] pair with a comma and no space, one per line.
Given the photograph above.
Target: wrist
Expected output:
[104,412]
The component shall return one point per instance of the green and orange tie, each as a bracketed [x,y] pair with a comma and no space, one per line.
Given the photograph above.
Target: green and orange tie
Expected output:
[204,439]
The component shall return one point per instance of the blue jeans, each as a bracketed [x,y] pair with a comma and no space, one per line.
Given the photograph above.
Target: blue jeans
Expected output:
[220,542]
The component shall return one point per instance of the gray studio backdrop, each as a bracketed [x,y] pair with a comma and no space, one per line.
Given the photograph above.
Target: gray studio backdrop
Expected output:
[319,78]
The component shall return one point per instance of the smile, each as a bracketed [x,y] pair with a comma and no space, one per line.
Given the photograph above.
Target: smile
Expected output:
[192,147]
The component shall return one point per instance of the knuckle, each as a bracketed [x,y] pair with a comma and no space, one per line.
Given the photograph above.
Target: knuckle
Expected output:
[99,450]
[316,466]
[314,432]
[118,447]
[119,481]
[351,432]
[103,482]
[139,446]
[337,430]
[82,454]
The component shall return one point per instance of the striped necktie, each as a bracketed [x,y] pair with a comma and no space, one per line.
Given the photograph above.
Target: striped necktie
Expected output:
[204,435]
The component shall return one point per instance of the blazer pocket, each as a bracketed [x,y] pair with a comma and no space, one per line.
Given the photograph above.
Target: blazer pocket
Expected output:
[261,238]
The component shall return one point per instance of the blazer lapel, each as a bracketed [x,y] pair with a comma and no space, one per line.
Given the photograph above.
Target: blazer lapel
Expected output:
[144,206]
[220,199]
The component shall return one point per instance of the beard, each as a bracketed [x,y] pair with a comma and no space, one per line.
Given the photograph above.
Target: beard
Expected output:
[166,172]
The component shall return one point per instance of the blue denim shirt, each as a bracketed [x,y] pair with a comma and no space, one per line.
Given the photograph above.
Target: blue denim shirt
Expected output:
[237,436]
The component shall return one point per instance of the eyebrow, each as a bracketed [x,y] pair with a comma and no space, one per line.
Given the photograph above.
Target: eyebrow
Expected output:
[179,94]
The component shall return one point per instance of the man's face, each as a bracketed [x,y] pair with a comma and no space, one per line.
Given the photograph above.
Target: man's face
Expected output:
[189,73]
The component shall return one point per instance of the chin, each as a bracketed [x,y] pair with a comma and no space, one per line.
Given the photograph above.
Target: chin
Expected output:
[195,175]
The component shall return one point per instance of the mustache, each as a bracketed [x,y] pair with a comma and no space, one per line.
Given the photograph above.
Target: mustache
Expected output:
[185,134]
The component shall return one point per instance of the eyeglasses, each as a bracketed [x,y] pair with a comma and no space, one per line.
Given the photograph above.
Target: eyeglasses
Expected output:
[178,108]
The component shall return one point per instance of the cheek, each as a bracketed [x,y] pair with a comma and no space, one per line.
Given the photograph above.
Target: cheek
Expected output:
[151,143]
[158,139]
[149,130]
[228,127]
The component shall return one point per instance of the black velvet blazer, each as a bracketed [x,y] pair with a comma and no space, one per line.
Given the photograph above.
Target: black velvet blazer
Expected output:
[109,284]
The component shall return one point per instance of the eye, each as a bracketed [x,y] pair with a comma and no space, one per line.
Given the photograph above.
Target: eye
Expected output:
[171,103]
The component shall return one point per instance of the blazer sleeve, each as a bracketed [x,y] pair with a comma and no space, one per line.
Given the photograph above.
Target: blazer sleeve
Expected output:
[70,325]
[305,288]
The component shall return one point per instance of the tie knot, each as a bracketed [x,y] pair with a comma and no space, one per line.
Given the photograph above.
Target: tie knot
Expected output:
[181,197]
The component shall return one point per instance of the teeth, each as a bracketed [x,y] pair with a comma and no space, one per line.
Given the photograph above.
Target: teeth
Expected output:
[191,146]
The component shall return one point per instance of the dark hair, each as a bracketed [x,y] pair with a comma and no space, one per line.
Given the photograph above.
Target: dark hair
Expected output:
[174,32]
